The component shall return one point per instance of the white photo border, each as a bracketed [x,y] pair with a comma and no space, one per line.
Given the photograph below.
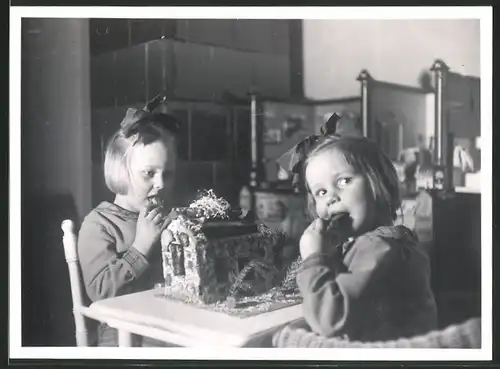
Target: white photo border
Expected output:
[486,30]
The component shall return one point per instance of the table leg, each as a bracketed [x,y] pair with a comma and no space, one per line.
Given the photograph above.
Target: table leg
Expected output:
[124,338]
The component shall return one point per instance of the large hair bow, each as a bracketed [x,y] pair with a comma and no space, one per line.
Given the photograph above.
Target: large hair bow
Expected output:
[136,119]
[293,160]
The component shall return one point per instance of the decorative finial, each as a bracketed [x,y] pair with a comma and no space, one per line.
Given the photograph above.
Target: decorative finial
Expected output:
[364,76]
[439,65]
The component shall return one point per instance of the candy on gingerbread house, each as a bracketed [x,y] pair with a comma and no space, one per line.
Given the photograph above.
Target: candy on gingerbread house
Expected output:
[206,250]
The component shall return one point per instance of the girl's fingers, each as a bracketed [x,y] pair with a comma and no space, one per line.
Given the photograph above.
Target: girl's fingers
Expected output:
[319,225]
[153,213]
[158,218]
[144,212]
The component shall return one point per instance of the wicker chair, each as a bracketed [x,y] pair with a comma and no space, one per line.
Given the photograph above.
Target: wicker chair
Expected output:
[464,335]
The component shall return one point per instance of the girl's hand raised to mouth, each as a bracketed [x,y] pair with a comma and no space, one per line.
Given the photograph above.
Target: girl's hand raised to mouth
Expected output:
[314,238]
[150,224]
[322,234]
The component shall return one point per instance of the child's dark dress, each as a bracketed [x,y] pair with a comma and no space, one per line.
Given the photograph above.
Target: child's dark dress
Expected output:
[110,266]
[375,288]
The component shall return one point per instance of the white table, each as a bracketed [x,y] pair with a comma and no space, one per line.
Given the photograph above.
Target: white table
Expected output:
[186,325]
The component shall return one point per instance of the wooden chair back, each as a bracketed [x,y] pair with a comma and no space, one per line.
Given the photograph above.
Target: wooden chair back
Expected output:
[70,252]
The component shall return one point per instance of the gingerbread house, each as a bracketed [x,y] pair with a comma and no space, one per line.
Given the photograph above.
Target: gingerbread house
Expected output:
[204,254]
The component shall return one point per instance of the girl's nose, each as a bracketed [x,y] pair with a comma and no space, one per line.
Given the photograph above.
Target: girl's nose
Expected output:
[332,198]
[158,183]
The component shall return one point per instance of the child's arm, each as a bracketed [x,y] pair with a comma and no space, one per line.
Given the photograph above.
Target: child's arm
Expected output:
[105,273]
[332,304]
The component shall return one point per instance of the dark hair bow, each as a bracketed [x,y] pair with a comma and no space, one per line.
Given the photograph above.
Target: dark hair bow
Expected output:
[336,126]
[136,119]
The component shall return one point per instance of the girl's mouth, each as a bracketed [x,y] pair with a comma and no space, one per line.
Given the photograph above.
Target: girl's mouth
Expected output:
[155,200]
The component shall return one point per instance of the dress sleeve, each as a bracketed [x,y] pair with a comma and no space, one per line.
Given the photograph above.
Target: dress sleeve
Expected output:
[333,298]
[105,272]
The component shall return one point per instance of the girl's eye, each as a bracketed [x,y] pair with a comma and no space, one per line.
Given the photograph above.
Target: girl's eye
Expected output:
[343,182]
[320,192]
[149,173]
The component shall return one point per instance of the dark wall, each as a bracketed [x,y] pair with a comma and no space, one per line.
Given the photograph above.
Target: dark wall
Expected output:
[214,149]
[207,68]
[47,318]
[254,35]
[193,59]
